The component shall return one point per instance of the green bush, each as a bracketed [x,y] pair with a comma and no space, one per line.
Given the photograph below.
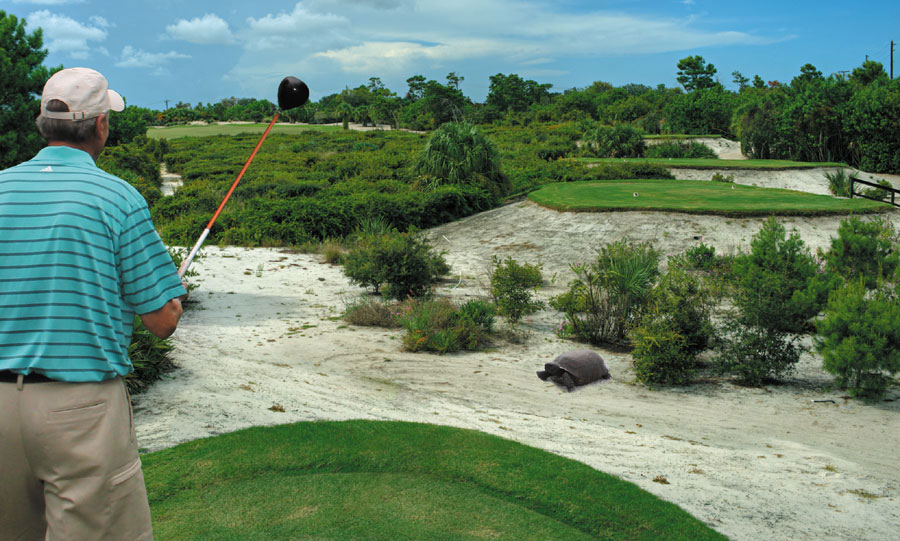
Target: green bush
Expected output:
[754,353]
[459,153]
[687,149]
[880,194]
[864,249]
[701,256]
[621,141]
[402,263]
[610,294]
[512,287]
[685,300]
[838,183]
[659,353]
[778,284]
[859,338]
[719,177]
[439,325]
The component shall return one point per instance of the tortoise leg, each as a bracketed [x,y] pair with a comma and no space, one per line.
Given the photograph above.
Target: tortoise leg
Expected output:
[566,379]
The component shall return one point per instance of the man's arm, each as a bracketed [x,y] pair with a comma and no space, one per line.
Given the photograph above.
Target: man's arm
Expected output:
[163,322]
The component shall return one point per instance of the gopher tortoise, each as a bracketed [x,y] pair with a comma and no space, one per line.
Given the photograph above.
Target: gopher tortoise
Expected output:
[575,368]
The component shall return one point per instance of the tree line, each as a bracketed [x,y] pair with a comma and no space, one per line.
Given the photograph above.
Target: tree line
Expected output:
[853,119]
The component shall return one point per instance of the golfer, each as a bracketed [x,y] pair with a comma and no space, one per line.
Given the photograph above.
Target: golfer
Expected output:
[79,257]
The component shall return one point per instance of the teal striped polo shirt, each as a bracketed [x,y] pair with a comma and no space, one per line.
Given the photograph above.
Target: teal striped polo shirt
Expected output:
[79,257]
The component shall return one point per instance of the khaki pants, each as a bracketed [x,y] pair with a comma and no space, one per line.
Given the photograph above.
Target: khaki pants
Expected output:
[69,466]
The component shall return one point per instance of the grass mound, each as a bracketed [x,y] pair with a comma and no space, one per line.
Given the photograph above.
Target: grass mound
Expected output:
[708,163]
[208,130]
[393,480]
[696,197]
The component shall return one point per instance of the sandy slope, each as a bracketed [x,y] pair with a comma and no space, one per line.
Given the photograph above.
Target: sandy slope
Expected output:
[752,463]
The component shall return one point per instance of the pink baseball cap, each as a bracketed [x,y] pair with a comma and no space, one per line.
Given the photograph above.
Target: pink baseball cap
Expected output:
[84,90]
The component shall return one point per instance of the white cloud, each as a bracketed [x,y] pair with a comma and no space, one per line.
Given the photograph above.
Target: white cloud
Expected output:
[100,21]
[66,35]
[137,58]
[209,29]
[300,30]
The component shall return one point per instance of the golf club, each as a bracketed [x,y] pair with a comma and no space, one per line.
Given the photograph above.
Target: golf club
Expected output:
[292,92]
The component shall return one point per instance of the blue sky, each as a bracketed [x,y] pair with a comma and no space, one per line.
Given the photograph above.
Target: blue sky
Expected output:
[205,50]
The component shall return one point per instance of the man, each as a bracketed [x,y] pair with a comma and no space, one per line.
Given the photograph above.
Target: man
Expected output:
[79,256]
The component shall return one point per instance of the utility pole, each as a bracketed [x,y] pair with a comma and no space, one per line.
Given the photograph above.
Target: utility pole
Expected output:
[167,104]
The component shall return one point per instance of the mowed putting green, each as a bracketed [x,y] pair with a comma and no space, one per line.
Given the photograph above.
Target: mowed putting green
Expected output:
[696,197]
[714,163]
[393,480]
[208,130]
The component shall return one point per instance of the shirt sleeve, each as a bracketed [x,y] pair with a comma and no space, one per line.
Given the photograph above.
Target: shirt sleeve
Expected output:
[148,276]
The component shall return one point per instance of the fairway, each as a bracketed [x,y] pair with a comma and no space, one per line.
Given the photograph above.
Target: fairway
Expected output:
[707,163]
[393,480]
[697,197]
[200,130]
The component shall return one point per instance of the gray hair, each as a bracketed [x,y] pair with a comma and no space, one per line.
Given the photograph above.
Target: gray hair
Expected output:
[69,131]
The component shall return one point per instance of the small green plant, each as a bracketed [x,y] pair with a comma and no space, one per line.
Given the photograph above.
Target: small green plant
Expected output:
[719,177]
[620,141]
[838,183]
[512,287]
[660,353]
[754,353]
[610,294]
[879,193]
[372,313]
[859,338]
[332,252]
[439,325]
[674,149]
[701,256]
[403,264]
[864,249]
[150,357]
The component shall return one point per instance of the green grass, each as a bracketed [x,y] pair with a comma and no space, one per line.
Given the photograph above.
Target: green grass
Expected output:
[175,132]
[393,480]
[697,197]
[682,136]
[705,163]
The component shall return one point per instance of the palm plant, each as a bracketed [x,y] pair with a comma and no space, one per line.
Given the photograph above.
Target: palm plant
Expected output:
[458,153]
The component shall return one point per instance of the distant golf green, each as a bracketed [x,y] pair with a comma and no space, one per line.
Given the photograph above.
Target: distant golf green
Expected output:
[206,130]
[696,197]
[394,480]
[705,163]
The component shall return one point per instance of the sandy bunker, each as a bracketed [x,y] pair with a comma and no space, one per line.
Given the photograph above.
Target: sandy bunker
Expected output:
[752,463]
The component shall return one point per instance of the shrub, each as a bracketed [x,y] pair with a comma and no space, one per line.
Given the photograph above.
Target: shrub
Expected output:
[688,149]
[719,177]
[864,249]
[372,313]
[701,256]
[609,294]
[659,353]
[879,193]
[838,183]
[438,325]
[332,252]
[686,302]
[754,353]
[512,287]
[458,153]
[621,141]
[402,263]
[859,338]
[778,284]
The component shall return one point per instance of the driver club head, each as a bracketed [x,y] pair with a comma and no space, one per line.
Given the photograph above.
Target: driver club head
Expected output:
[292,92]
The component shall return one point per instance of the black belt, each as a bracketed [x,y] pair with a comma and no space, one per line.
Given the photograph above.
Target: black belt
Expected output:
[8,376]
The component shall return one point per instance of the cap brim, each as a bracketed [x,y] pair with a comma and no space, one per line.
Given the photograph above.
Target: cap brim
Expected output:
[116,103]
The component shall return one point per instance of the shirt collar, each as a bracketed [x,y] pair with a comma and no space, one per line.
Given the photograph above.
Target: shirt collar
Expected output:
[65,155]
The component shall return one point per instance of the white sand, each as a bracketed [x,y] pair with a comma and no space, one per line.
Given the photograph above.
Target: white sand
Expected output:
[752,463]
